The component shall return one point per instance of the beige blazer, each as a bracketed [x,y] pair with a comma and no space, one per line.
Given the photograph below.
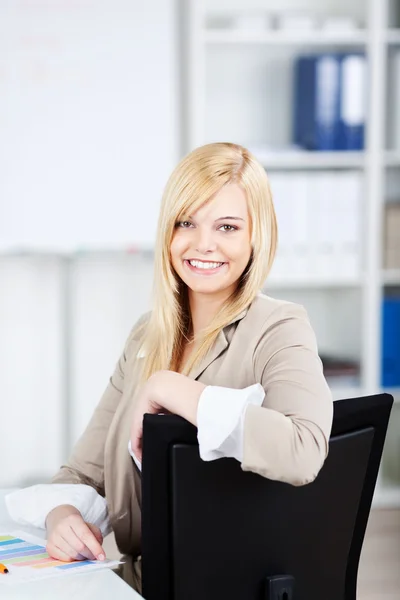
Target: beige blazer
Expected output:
[286,439]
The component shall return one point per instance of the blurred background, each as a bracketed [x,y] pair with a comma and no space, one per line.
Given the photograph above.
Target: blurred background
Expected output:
[98,102]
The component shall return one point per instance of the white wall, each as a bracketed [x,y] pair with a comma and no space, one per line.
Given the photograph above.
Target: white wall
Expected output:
[89,132]
[108,296]
[86,145]
[53,371]
[31,424]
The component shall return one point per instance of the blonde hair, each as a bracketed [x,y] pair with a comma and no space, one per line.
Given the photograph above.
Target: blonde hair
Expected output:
[195,180]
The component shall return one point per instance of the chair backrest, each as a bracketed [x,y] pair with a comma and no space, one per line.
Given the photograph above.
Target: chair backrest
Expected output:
[211,531]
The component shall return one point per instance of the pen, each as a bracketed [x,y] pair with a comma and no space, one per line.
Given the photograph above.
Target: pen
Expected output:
[3,568]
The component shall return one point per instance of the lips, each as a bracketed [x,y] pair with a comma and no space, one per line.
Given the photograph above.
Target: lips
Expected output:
[202,270]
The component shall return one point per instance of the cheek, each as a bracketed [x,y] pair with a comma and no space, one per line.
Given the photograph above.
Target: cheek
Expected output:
[241,259]
[239,249]
[177,248]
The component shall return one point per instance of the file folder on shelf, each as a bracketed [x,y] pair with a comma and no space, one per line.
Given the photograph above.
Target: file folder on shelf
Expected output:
[319,225]
[352,102]
[329,102]
[391,342]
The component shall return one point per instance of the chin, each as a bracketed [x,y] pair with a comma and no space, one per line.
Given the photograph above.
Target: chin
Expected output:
[201,288]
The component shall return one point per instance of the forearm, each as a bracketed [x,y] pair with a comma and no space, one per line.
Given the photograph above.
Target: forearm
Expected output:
[281,448]
[70,474]
[180,395]
[165,391]
[33,505]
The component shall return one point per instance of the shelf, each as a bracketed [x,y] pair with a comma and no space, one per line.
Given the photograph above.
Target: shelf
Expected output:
[386,496]
[309,38]
[275,282]
[301,159]
[390,277]
[392,158]
[393,36]
[342,393]
[277,38]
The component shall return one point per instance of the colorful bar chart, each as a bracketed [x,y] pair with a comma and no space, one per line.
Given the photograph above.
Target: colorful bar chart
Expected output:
[15,551]
[26,559]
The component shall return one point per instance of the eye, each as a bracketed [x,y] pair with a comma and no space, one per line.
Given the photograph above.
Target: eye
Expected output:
[183,224]
[230,227]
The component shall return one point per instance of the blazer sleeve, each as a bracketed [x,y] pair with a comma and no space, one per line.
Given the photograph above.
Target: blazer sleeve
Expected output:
[86,463]
[287,438]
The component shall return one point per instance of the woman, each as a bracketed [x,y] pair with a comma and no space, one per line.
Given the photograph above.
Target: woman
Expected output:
[239,365]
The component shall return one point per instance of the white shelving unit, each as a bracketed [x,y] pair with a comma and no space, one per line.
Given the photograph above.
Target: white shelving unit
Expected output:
[392,158]
[296,159]
[277,38]
[391,277]
[279,283]
[210,49]
[393,36]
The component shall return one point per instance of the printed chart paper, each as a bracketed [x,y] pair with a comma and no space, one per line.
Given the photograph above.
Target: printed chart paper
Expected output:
[26,559]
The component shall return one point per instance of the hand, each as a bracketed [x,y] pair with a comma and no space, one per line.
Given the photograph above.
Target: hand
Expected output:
[147,403]
[165,391]
[70,538]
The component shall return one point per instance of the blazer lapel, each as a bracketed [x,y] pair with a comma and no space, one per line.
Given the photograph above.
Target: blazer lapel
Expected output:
[219,346]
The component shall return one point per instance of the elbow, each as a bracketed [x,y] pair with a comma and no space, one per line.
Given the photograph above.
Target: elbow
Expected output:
[304,470]
[309,457]
[298,473]
[306,473]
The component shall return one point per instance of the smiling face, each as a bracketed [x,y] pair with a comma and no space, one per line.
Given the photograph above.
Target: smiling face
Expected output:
[211,248]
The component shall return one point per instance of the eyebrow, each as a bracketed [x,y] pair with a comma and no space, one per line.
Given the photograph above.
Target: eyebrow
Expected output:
[231,218]
[224,218]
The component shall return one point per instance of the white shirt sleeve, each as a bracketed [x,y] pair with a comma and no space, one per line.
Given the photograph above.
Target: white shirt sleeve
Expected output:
[31,505]
[220,420]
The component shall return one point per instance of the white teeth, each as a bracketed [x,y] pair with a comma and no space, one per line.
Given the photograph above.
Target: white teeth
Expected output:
[205,265]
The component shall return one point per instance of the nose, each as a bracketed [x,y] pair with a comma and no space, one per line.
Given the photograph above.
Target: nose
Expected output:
[205,242]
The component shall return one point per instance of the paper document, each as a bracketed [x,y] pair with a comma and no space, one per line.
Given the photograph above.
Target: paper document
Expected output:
[26,559]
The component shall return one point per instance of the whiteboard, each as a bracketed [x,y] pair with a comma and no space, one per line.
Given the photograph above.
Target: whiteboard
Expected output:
[88,121]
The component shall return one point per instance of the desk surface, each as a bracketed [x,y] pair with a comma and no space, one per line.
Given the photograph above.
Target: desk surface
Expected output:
[101,585]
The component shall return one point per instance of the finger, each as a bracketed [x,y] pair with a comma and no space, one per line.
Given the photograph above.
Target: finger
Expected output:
[136,438]
[65,545]
[137,448]
[79,548]
[78,531]
[87,537]
[137,458]
[96,532]
[55,552]
[138,452]
[136,428]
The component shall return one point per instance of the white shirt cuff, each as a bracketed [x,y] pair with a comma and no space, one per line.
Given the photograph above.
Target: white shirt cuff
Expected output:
[220,420]
[137,462]
[30,506]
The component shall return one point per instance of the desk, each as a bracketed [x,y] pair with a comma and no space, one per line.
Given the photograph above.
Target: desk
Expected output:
[102,585]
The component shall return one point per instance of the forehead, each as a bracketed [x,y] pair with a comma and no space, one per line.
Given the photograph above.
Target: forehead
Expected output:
[229,201]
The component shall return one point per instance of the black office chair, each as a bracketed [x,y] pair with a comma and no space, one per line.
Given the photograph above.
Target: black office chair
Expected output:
[213,532]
